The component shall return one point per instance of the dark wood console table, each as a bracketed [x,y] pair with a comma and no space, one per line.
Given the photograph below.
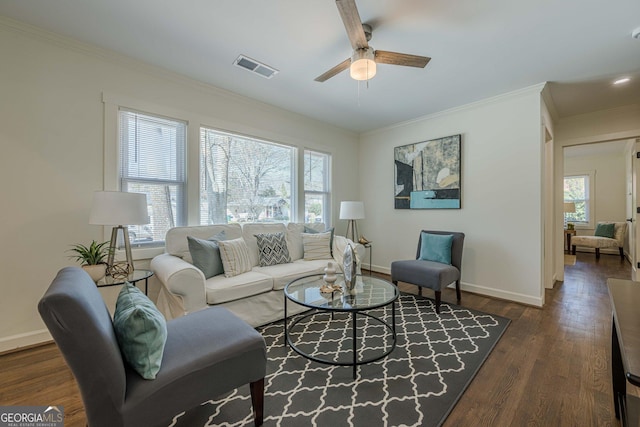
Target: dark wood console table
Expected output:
[625,349]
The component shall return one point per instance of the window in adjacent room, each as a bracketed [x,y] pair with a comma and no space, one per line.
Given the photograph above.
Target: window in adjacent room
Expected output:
[316,187]
[245,179]
[152,161]
[579,190]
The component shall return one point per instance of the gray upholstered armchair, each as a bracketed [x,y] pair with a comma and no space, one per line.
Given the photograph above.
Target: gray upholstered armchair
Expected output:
[432,274]
[207,353]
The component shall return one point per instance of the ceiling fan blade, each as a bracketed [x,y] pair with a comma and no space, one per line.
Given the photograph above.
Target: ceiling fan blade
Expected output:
[395,58]
[352,23]
[335,70]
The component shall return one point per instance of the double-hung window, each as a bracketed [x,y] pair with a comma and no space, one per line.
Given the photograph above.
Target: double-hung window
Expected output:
[578,189]
[152,161]
[245,179]
[316,187]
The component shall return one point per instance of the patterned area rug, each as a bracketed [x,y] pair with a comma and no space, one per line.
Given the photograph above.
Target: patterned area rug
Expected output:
[418,384]
[569,259]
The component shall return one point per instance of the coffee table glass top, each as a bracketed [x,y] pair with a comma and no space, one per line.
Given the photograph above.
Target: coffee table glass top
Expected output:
[370,292]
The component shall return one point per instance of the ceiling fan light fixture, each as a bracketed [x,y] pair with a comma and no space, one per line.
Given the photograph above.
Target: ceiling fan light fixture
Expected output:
[363,64]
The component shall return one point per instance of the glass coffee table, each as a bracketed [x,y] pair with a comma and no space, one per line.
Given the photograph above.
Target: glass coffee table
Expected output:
[329,320]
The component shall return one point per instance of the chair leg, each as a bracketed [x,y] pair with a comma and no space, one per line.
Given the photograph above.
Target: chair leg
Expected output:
[458,296]
[438,298]
[621,253]
[420,290]
[573,249]
[257,400]
[597,253]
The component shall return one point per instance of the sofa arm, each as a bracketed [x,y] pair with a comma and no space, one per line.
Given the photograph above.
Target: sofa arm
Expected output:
[339,245]
[182,279]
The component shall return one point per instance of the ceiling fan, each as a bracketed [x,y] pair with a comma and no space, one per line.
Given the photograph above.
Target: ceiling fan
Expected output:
[362,63]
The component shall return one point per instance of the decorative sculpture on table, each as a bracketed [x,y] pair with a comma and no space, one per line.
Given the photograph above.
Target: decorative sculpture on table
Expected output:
[349,268]
[330,274]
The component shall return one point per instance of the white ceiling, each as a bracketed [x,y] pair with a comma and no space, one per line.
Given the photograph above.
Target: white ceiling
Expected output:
[479,49]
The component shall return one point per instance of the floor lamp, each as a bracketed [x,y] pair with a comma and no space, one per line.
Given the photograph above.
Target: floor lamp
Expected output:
[352,211]
[117,208]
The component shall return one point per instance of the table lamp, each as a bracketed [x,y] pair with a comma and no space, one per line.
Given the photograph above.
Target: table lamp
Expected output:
[352,211]
[569,207]
[118,208]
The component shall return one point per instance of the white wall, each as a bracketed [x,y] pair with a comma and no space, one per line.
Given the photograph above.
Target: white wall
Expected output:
[51,134]
[502,181]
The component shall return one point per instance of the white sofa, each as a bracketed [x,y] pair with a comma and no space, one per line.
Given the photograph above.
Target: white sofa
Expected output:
[255,296]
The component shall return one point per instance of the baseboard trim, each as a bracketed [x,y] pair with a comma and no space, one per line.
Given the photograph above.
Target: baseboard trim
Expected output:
[27,339]
[485,291]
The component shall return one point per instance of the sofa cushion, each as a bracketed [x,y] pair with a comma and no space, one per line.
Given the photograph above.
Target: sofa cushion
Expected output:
[294,237]
[436,247]
[141,331]
[594,242]
[316,245]
[221,289]
[235,256]
[176,238]
[249,232]
[272,249]
[311,230]
[206,254]
[284,273]
[605,230]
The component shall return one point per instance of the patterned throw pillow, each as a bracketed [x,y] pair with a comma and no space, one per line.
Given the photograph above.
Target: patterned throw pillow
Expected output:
[272,249]
[235,257]
[316,245]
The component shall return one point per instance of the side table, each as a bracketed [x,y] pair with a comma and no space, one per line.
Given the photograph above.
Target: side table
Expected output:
[132,278]
[568,234]
[368,246]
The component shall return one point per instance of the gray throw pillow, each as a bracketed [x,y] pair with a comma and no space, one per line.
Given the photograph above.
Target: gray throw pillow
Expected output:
[206,254]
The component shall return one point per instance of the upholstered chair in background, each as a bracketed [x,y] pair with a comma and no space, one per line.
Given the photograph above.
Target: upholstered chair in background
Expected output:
[438,263]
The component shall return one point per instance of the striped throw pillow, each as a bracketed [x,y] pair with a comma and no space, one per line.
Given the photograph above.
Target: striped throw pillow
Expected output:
[235,257]
[316,245]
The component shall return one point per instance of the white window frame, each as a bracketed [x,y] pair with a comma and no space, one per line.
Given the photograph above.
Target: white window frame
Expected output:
[326,212]
[294,212]
[591,184]
[112,102]
[180,164]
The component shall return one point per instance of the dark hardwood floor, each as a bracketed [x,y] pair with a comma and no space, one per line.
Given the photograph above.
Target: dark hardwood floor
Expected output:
[551,368]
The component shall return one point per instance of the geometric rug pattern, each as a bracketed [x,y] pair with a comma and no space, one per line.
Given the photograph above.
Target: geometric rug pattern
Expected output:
[418,384]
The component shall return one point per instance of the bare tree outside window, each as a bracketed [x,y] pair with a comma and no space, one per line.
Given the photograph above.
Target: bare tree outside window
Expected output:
[244,179]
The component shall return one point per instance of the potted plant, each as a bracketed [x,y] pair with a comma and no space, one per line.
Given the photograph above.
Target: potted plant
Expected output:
[92,258]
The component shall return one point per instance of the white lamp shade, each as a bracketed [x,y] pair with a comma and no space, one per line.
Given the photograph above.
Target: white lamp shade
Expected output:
[569,207]
[119,208]
[351,210]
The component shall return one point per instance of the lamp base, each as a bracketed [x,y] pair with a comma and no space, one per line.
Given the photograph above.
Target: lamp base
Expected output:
[117,269]
[352,231]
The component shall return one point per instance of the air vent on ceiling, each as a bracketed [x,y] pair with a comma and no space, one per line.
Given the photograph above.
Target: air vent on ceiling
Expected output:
[255,67]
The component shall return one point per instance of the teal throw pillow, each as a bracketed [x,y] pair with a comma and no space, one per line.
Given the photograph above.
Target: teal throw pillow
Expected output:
[436,247]
[206,256]
[141,331]
[605,230]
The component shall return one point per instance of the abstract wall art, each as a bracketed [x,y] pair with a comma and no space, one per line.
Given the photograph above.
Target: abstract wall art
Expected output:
[427,174]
